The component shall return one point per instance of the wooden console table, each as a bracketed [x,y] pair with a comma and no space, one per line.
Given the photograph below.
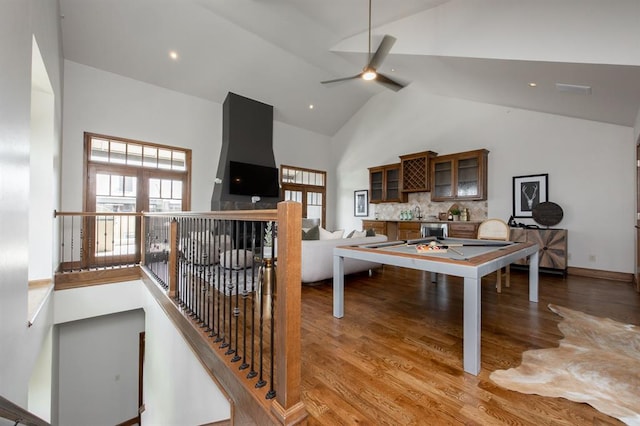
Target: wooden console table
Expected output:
[552,243]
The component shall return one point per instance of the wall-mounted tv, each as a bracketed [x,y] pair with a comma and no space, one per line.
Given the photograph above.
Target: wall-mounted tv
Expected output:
[252,179]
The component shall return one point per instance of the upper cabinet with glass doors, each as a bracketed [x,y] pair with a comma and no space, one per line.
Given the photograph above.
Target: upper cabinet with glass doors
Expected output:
[385,184]
[460,176]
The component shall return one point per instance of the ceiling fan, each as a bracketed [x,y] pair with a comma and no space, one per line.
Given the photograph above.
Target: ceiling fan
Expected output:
[369,72]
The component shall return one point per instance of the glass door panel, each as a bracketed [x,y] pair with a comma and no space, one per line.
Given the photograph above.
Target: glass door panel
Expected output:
[165,195]
[314,206]
[114,235]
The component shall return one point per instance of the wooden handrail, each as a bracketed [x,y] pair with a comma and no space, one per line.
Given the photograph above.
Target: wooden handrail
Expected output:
[257,215]
[15,413]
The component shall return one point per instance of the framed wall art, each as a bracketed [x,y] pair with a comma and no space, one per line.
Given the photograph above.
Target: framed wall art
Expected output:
[361,203]
[528,192]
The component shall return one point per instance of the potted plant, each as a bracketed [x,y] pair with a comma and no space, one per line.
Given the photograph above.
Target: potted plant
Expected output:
[455,212]
[267,251]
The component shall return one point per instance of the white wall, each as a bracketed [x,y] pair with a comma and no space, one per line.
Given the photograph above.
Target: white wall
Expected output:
[106,103]
[173,377]
[20,21]
[42,178]
[98,369]
[177,390]
[591,165]
[101,102]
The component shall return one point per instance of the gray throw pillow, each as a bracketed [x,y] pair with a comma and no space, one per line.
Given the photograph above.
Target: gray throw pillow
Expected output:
[371,232]
[311,234]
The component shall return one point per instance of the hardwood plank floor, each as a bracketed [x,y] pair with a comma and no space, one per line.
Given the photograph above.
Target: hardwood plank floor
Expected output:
[396,356]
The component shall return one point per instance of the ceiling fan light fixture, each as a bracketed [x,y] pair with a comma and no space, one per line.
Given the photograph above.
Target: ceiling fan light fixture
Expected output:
[369,74]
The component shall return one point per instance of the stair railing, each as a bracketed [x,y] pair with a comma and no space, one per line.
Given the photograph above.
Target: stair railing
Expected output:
[236,275]
[17,414]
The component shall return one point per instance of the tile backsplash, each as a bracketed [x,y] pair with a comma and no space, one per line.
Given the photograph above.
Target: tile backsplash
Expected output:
[428,209]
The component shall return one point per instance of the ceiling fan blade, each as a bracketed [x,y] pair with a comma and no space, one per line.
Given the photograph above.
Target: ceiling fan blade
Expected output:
[382,52]
[389,83]
[342,79]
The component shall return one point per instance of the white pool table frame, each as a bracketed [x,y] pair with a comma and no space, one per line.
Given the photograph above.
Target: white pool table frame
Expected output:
[472,270]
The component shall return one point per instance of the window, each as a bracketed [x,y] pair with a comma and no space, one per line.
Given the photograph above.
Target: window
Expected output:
[126,176]
[305,186]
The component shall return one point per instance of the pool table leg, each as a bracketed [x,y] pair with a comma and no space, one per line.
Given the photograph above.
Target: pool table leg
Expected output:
[338,286]
[471,326]
[533,277]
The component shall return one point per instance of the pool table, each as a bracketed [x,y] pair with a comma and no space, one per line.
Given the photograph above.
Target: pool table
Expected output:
[468,258]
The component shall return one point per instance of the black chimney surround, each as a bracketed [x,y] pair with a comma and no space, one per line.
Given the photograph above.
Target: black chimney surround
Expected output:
[247,137]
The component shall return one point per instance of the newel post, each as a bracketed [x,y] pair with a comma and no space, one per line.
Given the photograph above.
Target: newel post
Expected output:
[173,258]
[288,407]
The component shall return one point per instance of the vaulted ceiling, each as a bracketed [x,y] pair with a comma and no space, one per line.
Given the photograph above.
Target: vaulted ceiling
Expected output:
[278,51]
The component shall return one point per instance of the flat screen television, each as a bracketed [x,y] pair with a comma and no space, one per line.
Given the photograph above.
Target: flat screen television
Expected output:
[252,179]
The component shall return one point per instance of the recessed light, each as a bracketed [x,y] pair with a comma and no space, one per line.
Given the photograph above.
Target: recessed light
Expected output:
[532,84]
[173,55]
[310,106]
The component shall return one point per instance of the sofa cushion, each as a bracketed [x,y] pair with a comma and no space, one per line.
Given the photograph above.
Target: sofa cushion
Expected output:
[311,234]
[329,235]
[236,259]
[358,234]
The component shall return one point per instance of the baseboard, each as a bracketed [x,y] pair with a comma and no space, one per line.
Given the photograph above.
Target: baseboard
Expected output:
[597,273]
[40,283]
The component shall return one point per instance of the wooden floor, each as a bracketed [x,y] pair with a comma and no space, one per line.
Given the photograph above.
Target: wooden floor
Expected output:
[396,356]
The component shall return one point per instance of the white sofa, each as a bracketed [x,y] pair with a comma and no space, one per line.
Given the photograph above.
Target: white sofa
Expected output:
[317,257]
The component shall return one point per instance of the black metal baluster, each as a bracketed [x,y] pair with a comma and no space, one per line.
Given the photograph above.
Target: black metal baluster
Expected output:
[214,276]
[256,288]
[199,271]
[221,239]
[223,293]
[207,277]
[261,382]
[228,288]
[236,309]
[192,265]
[245,295]
[184,259]
[75,261]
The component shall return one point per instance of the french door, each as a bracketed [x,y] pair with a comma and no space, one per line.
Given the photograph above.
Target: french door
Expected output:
[308,187]
[124,178]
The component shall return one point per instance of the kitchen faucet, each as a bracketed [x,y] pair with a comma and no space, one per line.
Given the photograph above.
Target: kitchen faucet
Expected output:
[418,214]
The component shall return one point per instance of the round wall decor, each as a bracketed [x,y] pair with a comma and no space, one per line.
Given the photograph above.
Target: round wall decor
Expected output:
[547,213]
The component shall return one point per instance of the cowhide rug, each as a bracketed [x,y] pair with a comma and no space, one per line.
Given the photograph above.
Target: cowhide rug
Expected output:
[598,363]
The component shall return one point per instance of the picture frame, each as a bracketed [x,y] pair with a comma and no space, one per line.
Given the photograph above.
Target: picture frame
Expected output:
[361,203]
[528,192]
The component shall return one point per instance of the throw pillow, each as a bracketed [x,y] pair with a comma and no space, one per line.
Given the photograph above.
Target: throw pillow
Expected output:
[328,235]
[359,234]
[371,232]
[311,234]
[350,234]
[237,259]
